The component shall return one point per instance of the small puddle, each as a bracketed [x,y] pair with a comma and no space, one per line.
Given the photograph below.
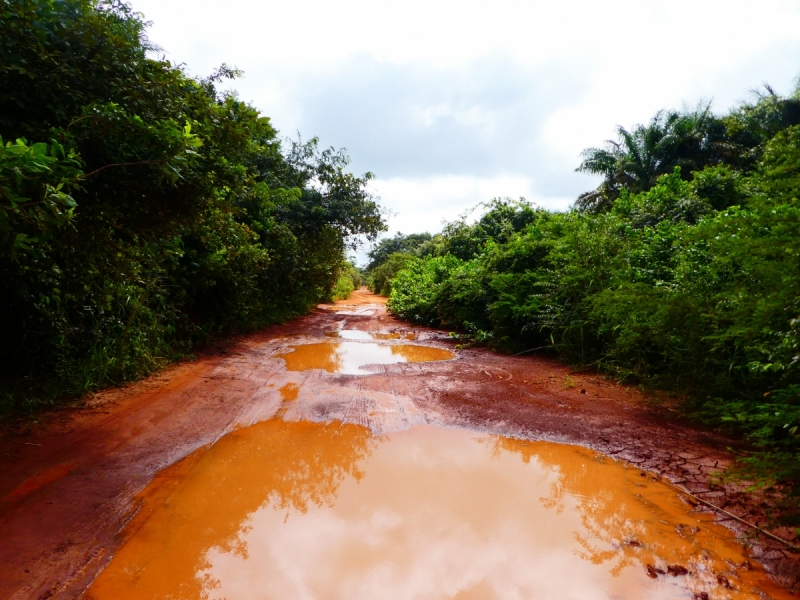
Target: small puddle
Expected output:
[325,510]
[358,334]
[352,309]
[350,357]
[289,392]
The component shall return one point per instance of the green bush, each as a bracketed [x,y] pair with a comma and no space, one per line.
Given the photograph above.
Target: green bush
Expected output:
[350,279]
[380,278]
[416,288]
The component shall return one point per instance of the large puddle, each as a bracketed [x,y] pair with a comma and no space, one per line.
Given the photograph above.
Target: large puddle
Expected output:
[307,510]
[351,357]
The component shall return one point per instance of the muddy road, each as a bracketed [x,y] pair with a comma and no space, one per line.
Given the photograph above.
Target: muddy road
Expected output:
[72,482]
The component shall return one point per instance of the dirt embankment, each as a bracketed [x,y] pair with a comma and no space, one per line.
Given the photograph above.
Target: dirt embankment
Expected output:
[68,483]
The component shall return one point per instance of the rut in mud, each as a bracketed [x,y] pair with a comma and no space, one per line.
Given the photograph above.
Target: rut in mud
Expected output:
[323,422]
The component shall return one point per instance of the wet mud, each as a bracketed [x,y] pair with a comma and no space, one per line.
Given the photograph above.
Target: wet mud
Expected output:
[70,483]
[423,513]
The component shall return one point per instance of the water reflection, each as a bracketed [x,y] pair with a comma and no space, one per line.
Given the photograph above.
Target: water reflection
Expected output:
[350,357]
[358,334]
[300,510]
[352,309]
[630,520]
[206,502]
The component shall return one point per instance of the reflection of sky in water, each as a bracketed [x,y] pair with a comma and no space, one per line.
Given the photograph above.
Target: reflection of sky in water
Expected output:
[364,310]
[358,334]
[349,358]
[304,510]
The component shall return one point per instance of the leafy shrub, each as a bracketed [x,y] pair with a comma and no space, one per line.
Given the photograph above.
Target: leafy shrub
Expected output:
[381,277]
[417,287]
[350,279]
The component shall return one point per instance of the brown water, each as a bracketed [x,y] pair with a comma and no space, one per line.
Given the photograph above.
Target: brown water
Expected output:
[351,357]
[358,334]
[307,510]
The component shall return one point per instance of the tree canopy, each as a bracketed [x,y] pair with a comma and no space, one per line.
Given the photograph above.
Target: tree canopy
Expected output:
[690,140]
[143,211]
[383,249]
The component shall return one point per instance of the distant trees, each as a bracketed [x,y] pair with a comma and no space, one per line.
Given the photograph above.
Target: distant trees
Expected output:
[399,243]
[350,279]
[380,278]
[389,256]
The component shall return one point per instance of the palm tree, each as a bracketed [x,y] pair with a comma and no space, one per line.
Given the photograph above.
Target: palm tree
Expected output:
[691,140]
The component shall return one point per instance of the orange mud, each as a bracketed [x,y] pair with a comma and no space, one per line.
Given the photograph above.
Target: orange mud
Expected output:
[72,480]
[362,296]
[308,510]
[350,358]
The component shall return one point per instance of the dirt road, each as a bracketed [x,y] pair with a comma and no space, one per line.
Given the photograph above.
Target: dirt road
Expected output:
[68,484]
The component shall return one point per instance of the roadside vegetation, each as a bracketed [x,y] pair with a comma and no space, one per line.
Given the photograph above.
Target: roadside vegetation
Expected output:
[681,271]
[389,256]
[350,279]
[144,212]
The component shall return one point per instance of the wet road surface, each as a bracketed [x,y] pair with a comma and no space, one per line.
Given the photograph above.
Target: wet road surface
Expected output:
[70,485]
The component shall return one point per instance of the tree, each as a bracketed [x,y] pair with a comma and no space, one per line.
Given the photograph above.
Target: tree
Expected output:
[382,250]
[142,211]
[689,140]
[381,277]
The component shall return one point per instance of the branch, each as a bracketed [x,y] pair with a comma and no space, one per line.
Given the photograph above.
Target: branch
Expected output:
[79,119]
[126,164]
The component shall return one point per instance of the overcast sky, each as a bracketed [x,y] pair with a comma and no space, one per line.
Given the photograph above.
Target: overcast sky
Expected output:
[453,103]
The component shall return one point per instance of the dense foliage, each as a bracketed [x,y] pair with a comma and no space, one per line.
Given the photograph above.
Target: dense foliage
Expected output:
[682,270]
[383,249]
[142,211]
[381,277]
[389,256]
[350,279]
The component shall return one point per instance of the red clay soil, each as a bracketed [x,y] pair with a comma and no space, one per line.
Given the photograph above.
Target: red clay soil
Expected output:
[69,482]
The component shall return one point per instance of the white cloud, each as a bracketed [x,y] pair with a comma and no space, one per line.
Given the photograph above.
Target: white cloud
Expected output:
[315,34]
[420,92]
[423,204]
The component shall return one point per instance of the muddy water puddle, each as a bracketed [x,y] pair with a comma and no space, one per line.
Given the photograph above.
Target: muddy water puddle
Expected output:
[358,334]
[352,309]
[325,510]
[350,358]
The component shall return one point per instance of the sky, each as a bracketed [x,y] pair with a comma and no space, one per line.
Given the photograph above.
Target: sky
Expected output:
[451,103]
